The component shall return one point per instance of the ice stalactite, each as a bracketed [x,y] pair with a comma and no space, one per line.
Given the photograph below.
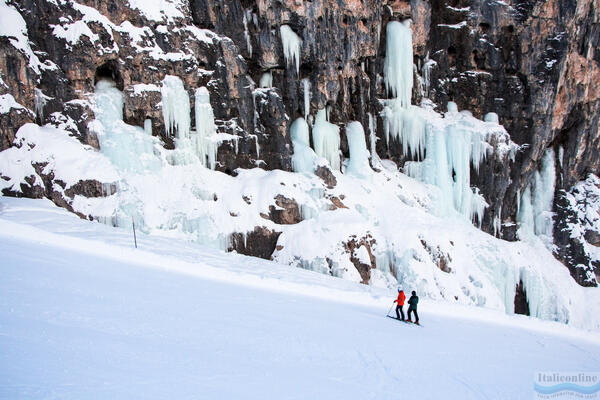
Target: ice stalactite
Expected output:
[266,80]
[373,140]
[291,46]
[203,140]
[128,147]
[398,67]
[358,164]
[176,107]
[39,102]
[426,73]
[303,159]
[246,17]
[326,139]
[535,210]
[148,126]
[306,89]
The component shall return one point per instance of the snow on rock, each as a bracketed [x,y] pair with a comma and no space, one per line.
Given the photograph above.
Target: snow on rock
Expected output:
[72,32]
[158,10]
[55,152]
[583,200]
[8,102]
[12,26]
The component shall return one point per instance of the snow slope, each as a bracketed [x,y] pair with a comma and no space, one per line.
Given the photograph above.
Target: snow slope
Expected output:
[84,315]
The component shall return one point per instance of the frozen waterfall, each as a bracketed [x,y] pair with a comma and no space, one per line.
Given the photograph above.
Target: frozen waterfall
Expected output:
[128,147]
[303,159]
[358,164]
[535,210]
[175,106]
[291,46]
[326,139]
[398,67]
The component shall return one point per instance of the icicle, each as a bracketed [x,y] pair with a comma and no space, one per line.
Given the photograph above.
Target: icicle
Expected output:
[247,15]
[203,142]
[306,86]
[426,72]
[291,46]
[535,212]
[266,80]
[39,102]
[326,139]
[176,107]
[358,164]
[373,139]
[304,157]
[398,66]
[148,126]
[491,117]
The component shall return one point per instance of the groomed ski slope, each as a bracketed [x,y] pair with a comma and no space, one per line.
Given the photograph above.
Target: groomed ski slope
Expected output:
[83,315]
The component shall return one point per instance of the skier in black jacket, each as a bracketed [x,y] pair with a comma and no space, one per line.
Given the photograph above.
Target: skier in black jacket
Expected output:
[412,308]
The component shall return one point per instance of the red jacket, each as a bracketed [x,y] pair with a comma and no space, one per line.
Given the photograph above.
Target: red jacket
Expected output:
[401,298]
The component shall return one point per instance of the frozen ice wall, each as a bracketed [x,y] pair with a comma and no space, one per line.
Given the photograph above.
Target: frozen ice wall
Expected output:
[128,147]
[291,46]
[444,148]
[303,159]
[203,138]
[398,67]
[326,140]
[535,210]
[176,107]
[358,164]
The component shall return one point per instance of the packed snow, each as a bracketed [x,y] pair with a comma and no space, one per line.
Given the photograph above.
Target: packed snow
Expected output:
[86,315]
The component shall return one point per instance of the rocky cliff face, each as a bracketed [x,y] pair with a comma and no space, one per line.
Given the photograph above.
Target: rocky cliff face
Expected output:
[536,64]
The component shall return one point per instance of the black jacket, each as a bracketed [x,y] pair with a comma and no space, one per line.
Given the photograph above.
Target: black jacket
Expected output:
[413,302]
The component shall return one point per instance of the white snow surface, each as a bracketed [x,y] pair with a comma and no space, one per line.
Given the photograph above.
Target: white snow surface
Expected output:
[42,145]
[85,315]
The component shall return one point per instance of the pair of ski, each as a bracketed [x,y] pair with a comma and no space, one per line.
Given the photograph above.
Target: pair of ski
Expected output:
[405,321]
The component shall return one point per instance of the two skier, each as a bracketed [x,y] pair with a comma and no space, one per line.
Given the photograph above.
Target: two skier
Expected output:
[412,306]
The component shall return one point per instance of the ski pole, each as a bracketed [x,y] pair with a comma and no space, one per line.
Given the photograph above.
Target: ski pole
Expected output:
[134,238]
[388,313]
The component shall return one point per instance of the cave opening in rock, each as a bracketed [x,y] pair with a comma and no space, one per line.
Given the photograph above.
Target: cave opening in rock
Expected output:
[521,304]
[109,70]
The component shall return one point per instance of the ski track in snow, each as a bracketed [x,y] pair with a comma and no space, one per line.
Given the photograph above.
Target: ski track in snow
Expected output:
[83,315]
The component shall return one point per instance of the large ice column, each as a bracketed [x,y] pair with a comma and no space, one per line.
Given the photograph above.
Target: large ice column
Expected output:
[291,46]
[535,211]
[303,159]
[176,107]
[358,164]
[203,140]
[128,147]
[326,139]
[398,67]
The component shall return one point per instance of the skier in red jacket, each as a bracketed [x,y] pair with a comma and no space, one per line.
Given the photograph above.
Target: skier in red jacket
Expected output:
[400,304]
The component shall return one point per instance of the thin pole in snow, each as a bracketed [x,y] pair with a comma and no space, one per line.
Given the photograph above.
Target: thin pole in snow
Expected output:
[134,238]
